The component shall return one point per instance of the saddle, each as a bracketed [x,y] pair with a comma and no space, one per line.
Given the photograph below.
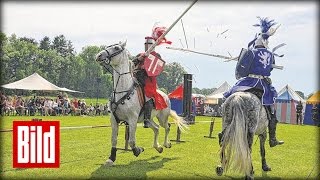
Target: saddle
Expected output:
[259,94]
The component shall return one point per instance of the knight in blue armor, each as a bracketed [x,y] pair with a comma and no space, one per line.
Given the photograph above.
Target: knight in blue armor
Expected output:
[253,72]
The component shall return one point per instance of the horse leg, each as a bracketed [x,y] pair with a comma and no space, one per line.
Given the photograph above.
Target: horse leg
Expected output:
[114,140]
[132,139]
[155,129]
[263,138]
[167,143]
[219,168]
[163,121]
[250,142]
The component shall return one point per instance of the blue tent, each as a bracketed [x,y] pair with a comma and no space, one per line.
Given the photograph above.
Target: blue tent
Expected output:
[313,100]
[176,100]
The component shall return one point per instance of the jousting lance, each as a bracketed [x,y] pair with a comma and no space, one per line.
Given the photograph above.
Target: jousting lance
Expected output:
[216,55]
[167,31]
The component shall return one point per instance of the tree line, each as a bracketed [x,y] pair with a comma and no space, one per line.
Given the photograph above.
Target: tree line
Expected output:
[57,61]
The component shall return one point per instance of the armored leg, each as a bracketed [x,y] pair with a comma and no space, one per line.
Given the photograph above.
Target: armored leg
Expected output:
[147,113]
[272,127]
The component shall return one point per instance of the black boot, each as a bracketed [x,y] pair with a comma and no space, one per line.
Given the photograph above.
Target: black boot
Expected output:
[147,113]
[272,128]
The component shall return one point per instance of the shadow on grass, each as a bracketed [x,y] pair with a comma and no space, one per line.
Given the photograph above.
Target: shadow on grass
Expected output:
[136,169]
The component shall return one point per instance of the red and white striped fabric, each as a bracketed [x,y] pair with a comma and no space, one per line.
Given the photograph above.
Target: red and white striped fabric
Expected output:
[286,112]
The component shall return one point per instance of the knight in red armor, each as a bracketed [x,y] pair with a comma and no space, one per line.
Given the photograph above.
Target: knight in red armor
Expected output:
[147,68]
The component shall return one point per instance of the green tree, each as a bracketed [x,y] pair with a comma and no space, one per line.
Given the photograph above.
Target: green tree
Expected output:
[45,43]
[196,90]
[171,77]
[30,40]
[92,72]
[60,45]
[207,91]
[18,59]
[70,48]
[301,94]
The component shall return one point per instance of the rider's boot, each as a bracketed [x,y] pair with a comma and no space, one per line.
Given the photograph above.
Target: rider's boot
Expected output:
[147,113]
[272,128]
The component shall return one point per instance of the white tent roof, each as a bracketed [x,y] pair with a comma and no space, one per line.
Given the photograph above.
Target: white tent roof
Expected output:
[35,82]
[69,90]
[198,95]
[218,93]
[288,93]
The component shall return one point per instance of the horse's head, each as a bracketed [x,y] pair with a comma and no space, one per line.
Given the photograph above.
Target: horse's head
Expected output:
[111,55]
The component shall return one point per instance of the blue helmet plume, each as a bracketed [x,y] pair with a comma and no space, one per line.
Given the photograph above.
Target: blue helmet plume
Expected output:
[265,25]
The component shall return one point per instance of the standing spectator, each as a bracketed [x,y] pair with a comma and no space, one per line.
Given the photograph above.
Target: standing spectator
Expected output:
[299,108]
[105,109]
[19,106]
[39,105]
[31,106]
[46,106]
[315,114]
[66,105]
[60,96]
[98,110]
[55,107]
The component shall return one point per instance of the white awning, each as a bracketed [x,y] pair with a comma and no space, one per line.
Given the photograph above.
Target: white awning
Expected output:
[35,82]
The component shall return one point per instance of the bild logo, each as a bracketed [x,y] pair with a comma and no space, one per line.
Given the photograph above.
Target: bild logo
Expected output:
[36,144]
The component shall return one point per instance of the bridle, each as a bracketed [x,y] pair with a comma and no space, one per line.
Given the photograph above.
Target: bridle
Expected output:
[106,64]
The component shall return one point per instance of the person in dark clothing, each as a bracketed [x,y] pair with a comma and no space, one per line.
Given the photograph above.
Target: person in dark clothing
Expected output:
[315,114]
[299,108]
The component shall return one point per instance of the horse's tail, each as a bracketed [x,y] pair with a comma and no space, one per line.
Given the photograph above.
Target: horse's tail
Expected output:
[180,122]
[234,147]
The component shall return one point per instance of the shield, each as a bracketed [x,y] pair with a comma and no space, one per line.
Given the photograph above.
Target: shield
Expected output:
[153,64]
[244,63]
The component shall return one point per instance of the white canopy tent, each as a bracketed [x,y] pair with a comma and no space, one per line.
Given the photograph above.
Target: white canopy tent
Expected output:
[214,97]
[35,82]
[69,90]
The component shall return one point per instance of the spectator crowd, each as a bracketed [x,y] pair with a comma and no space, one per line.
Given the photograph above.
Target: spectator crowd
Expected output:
[47,106]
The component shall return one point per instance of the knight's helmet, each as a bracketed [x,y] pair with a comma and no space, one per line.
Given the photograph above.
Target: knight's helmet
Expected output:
[149,41]
[266,31]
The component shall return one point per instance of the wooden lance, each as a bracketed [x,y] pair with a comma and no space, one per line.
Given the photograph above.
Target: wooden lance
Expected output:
[218,56]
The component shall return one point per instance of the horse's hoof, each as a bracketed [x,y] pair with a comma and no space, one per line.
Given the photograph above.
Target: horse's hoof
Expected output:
[219,170]
[159,149]
[266,168]
[137,150]
[108,163]
[168,145]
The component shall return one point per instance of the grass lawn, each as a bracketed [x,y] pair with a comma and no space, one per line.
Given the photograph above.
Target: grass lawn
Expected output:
[84,151]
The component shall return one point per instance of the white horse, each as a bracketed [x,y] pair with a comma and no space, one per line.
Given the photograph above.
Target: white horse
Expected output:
[125,104]
[243,117]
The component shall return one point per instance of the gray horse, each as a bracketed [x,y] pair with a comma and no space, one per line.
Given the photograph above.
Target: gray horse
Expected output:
[243,117]
[125,104]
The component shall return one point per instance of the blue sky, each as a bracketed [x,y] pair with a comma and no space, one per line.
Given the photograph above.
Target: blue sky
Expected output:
[104,23]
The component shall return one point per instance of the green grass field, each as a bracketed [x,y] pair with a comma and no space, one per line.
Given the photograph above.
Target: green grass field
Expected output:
[84,151]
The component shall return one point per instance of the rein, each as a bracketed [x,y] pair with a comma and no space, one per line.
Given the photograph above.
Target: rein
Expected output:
[115,104]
